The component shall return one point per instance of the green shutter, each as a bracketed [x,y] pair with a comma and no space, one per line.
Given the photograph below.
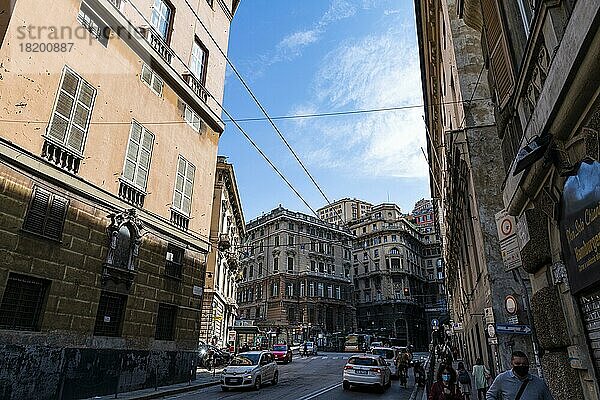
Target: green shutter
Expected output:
[144,159]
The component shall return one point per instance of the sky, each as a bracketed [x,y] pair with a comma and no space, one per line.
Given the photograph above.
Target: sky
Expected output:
[314,56]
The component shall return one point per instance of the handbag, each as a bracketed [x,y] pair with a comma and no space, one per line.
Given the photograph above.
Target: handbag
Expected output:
[521,389]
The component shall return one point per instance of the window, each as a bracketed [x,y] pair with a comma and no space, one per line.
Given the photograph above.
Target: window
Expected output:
[338,293]
[165,322]
[330,291]
[184,184]
[313,265]
[276,265]
[46,214]
[260,269]
[376,253]
[251,271]
[322,267]
[320,291]
[311,289]
[139,153]
[90,21]
[289,289]
[199,61]
[394,251]
[70,119]
[261,246]
[109,318]
[275,289]
[162,13]
[394,238]
[152,80]
[192,118]
[302,289]
[290,240]
[290,264]
[291,226]
[174,265]
[23,302]
[277,226]
[276,239]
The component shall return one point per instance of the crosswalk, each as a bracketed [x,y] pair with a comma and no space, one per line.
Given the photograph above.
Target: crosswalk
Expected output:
[321,358]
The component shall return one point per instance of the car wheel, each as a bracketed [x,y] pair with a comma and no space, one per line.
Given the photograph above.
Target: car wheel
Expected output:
[346,385]
[275,378]
[380,388]
[224,388]
[257,383]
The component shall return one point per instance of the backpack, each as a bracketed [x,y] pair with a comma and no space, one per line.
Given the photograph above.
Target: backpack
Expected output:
[463,377]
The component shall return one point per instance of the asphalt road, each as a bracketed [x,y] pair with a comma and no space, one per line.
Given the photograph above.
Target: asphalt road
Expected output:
[315,377]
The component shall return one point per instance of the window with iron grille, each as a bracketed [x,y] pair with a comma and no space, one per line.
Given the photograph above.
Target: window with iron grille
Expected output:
[110,315]
[174,265]
[46,214]
[165,322]
[23,302]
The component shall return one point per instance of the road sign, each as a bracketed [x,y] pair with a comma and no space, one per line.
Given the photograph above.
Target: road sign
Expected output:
[513,329]
[435,322]
[511,305]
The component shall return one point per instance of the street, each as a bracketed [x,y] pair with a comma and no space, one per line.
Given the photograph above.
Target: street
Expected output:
[315,377]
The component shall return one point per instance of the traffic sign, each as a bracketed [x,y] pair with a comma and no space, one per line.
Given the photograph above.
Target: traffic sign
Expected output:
[515,329]
[435,322]
[511,305]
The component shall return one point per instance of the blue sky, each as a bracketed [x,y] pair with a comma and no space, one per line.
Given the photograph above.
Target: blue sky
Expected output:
[324,56]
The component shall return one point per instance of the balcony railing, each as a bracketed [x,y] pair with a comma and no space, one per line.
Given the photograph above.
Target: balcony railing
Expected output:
[61,157]
[195,85]
[157,43]
[131,194]
[179,220]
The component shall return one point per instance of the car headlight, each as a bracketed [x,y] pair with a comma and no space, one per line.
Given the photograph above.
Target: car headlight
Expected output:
[248,376]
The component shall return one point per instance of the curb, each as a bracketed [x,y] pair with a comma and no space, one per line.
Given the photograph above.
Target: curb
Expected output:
[168,392]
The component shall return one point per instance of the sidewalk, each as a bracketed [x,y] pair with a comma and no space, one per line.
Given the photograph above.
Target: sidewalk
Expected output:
[204,379]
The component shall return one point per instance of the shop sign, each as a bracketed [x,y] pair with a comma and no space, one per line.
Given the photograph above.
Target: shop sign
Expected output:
[580,226]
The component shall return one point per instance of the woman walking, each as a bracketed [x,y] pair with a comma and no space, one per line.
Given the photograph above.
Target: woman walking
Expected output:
[446,387]
[480,375]
[464,380]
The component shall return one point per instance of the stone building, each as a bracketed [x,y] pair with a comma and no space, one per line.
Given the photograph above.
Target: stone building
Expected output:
[391,282]
[423,216]
[543,59]
[462,144]
[104,214]
[295,279]
[227,230]
[342,211]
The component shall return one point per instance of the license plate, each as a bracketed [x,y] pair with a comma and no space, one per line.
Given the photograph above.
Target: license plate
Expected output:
[361,372]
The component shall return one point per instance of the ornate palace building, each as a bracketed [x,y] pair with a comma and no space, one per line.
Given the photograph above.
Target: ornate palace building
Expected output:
[105,214]
[295,278]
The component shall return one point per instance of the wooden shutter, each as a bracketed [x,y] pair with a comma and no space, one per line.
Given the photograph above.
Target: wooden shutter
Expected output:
[72,111]
[146,75]
[497,42]
[139,154]
[46,214]
[145,156]
[179,184]
[133,149]
[188,188]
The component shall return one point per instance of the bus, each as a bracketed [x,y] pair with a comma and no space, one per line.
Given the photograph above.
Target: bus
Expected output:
[356,342]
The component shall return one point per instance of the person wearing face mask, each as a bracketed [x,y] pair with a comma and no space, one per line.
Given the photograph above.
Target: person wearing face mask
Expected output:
[517,383]
[445,388]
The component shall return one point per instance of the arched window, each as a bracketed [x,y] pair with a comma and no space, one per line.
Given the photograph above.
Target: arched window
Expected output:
[394,251]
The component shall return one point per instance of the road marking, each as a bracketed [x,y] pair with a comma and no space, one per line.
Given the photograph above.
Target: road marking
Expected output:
[320,392]
[324,357]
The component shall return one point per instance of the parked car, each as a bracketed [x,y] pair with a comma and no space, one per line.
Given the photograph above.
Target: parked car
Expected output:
[390,356]
[311,349]
[250,369]
[376,344]
[209,356]
[366,370]
[282,352]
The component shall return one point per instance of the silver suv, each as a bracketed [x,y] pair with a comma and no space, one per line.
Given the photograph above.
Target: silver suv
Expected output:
[250,369]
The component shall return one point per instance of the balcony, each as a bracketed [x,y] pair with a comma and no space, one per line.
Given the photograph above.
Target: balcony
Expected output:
[157,43]
[61,157]
[196,86]
[131,194]
[179,220]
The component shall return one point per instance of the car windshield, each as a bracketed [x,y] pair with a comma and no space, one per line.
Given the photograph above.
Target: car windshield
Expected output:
[384,353]
[362,361]
[245,359]
[279,348]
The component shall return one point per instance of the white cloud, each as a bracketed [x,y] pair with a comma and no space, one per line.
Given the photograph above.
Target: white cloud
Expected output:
[376,72]
[297,40]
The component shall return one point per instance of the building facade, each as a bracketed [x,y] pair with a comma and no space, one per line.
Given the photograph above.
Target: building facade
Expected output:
[295,279]
[539,64]
[464,163]
[389,273]
[422,215]
[343,211]
[105,215]
[227,231]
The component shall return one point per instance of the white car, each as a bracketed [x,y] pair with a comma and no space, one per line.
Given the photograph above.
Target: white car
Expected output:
[366,370]
[390,356]
[250,369]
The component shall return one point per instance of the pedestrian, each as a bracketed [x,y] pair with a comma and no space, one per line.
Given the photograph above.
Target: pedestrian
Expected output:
[464,380]
[445,388]
[480,375]
[517,383]
[305,352]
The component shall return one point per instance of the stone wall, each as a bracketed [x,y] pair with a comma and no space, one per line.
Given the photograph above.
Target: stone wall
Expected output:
[64,351]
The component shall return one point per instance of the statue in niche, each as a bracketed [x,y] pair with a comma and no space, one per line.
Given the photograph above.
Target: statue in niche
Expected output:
[125,237]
